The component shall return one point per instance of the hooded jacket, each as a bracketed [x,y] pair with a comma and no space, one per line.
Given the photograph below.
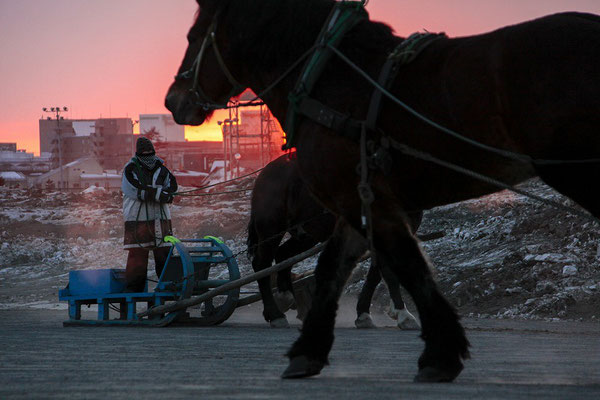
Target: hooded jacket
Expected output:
[146,194]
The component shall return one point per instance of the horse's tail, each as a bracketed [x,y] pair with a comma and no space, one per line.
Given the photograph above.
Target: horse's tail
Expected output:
[252,241]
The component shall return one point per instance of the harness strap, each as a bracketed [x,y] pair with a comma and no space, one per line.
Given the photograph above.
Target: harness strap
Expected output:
[403,54]
[412,46]
[330,118]
[343,17]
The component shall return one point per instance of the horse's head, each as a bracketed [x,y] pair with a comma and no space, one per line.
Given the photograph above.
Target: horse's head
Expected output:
[204,81]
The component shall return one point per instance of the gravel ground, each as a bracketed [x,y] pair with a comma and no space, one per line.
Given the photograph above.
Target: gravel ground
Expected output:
[243,358]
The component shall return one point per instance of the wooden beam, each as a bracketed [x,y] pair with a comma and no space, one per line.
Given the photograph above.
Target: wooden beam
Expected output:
[192,301]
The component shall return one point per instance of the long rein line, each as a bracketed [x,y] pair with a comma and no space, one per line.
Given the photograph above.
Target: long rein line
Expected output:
[428,157]
[288,71]
[249,103]
[506,153]
[257,100]
[215,193]
[184,193]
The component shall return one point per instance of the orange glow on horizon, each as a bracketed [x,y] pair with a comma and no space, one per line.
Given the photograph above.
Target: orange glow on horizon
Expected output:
[107,64]
[206,132]
[210,130]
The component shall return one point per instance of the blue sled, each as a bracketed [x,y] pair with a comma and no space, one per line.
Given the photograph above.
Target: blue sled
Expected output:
[186,273]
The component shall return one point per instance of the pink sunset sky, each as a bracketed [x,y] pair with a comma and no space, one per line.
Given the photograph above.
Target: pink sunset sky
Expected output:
[116,58]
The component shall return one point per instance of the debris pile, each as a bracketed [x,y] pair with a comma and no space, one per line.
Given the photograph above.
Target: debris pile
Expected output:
[501,256]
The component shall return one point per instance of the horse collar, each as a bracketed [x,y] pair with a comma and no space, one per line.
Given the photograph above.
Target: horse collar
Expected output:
[343,17]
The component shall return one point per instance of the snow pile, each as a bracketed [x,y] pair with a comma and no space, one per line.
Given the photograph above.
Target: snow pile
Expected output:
[94,189]
[501,256]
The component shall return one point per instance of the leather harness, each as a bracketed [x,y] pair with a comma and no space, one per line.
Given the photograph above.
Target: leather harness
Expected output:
[343,17]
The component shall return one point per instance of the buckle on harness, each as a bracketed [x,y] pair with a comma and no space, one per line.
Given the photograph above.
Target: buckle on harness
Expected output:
[365,193]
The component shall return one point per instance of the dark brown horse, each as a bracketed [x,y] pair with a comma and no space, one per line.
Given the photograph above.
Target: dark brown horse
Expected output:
[282,203]
[531,88]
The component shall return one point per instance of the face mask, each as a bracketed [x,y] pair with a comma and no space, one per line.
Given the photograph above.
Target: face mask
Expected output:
[148,161]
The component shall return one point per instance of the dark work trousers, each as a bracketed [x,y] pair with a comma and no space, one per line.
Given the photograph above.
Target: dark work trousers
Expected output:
[137,266]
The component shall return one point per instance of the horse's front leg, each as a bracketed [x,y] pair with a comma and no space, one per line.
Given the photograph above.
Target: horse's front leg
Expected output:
[309,353]
[445,342]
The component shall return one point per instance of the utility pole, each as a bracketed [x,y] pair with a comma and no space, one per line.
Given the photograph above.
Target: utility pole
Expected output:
[133,124]
[56,111]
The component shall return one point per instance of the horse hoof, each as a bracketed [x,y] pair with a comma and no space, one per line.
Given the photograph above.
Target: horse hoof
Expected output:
[284,300]
[364,321]
[302,367]
[407,321]
[435,375]
[279,323]
[404,319]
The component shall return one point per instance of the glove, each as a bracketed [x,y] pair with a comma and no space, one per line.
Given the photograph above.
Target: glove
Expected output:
[150,193]
[165,197]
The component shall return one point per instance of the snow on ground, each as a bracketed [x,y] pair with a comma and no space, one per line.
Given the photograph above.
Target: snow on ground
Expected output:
[501,256]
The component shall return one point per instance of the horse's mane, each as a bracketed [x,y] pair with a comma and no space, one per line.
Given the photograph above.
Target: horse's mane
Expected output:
[281,28]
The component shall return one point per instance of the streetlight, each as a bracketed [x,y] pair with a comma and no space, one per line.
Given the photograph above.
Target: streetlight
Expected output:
[133,124]
[237,157]
[56,111]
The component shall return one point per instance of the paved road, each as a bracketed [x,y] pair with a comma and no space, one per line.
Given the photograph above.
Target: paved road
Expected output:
[242,359]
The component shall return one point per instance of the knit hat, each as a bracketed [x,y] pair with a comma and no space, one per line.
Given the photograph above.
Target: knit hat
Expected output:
[144,146]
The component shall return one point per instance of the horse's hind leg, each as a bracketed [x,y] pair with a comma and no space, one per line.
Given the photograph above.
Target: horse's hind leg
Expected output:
[285,296]
[309,353]
[445,341]
[398,311]
[263,258]
[363,306]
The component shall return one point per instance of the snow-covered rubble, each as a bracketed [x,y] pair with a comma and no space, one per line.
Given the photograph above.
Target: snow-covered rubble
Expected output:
[501,256]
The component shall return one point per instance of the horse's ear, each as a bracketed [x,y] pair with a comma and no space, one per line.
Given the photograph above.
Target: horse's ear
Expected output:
[207,4]
[210,6]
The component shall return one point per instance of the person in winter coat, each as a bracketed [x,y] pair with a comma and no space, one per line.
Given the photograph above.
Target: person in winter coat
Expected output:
[148,188]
